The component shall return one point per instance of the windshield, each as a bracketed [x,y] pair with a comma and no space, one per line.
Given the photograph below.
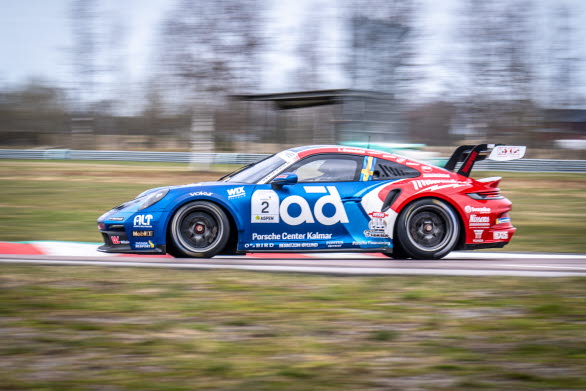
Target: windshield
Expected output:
[255,172]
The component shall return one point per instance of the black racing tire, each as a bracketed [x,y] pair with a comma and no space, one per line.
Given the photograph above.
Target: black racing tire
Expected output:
[199,229]
[427,229]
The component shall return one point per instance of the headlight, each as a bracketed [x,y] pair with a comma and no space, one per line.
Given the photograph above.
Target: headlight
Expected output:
[153,198]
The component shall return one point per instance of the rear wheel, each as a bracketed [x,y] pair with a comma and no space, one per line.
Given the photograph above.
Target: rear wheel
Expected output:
[427,229]
[199,229]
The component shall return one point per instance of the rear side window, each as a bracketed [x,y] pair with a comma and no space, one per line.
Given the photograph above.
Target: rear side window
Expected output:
[385,169]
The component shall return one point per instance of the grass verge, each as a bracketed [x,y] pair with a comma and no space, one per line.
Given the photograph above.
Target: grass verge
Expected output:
[89,328]
[54,200]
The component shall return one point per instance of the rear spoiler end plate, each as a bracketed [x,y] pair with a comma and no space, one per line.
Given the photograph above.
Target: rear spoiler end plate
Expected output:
[470,154]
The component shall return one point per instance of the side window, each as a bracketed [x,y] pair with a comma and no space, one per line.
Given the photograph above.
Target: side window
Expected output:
[327,168]
[385,169]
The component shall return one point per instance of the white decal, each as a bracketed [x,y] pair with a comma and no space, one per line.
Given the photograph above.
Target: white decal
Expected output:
[200,193]
[264,206]
[500,235]
[236,192]
[401,160]
[479,220]
[471,209]
[315,189]
[306,216]
[352,150]
[506,152]
[436,175]
[418,184]
[142,220]
[148,244]
[426,168]
[288,156]
[478,236]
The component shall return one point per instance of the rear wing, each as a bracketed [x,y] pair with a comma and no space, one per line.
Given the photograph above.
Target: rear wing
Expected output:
[470,154]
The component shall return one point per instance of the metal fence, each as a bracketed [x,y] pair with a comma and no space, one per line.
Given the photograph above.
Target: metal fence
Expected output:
[524,165]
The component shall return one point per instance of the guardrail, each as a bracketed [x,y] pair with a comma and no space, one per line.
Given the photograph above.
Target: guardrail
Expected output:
[523,165]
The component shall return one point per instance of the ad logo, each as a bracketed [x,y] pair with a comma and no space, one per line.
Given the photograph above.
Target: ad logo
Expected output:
[142,220]
[500,235]
[306,216]
[236,192]
[471,209]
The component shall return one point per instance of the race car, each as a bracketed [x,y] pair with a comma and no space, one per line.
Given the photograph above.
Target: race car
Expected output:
[322,198]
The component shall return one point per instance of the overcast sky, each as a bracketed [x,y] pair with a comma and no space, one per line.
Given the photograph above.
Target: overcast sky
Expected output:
[36,37]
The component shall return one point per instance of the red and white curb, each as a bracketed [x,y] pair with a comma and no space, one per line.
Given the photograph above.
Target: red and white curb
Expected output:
[76,249]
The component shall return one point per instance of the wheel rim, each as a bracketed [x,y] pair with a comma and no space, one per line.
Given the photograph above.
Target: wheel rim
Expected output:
[430,228]
[198,230]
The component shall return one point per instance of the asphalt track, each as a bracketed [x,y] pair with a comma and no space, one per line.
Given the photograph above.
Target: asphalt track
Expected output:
[456,264]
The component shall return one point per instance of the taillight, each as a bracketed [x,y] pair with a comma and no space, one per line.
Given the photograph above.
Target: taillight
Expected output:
[493,194]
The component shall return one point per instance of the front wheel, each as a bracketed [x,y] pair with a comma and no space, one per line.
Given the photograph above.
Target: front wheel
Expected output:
[199,229]
[427,229]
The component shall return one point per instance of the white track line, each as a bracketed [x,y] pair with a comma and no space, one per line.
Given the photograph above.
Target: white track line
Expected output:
[303,269]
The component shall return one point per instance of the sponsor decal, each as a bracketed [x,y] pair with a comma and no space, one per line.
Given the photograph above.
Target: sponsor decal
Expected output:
[236,192]
[115,218]
[500,235]
[259,245]
[288,156]
[479,220]
[282,176]
[420,183]
[200,193]
[352,150]
[298,245]
[412,164]
[426,169]
[266,203]
[115,239]
[506,152]
[379,215]
[371,243]
[264,206]
[143,233]
[436,175]
[502,220]
[388,156]
[334,243]
[478,235]
[291,236]
[376,226]
[143,220]
[481,210]
[401,160]
[148,244]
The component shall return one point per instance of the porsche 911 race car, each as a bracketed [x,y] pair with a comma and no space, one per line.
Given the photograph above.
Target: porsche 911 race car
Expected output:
[322,198]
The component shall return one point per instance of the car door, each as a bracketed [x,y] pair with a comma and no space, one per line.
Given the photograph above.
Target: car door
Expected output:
[322,211]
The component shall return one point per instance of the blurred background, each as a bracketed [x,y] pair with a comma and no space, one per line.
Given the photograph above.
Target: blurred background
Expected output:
[262,75]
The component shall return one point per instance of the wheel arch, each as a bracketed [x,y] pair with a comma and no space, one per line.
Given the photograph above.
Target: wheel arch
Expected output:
[235,222]
[454,205]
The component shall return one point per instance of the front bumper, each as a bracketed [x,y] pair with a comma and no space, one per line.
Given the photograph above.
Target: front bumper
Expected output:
[117,242]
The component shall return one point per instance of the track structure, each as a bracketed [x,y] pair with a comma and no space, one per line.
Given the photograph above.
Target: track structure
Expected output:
[455,264]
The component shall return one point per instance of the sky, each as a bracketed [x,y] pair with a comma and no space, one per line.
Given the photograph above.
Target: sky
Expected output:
[36,38]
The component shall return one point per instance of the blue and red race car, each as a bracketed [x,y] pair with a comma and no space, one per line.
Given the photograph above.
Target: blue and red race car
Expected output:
[322,198]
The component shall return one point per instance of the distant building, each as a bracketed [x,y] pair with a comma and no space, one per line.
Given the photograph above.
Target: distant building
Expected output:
[324,116]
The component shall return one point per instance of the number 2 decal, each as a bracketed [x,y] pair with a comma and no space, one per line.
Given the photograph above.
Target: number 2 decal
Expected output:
[264,207]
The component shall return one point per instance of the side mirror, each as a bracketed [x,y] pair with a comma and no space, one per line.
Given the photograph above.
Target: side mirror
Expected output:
[281,180]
